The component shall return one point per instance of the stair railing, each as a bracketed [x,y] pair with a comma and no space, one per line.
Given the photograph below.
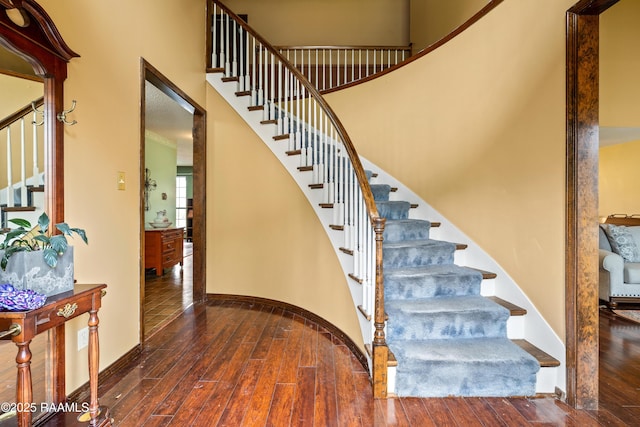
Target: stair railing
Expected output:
[314,132]
[25,122]
[329,67]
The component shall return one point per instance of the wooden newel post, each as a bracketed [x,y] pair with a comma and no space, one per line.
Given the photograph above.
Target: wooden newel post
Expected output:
[380,349]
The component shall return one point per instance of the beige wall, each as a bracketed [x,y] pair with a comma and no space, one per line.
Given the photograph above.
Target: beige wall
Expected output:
[619,179]
[477,129]
[15,94]
[620,65]
[332,22]
[433,19]
[111,37]
[484,144]
[265,238]
[619,107]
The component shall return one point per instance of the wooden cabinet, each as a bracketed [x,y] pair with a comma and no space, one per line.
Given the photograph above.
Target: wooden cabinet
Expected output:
[163,248]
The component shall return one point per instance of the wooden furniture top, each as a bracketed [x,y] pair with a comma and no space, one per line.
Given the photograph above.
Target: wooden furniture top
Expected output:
[163,229]
[621,219]
[58,299]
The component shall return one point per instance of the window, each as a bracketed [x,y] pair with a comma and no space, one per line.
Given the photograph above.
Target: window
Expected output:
[181,201]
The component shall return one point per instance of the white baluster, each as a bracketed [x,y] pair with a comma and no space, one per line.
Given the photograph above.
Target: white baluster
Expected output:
[36,168]
[214,37]
[9,170]
[260,98]
[254,85]
[23,165]
[353,64]
[227,66]
[272,106]
[234,63]
[345,67]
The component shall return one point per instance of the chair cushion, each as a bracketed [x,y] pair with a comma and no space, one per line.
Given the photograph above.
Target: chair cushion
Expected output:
[603,239]
[622,242]
[632,272]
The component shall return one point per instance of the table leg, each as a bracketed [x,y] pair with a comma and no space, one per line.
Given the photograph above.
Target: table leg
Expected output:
[24,393]
[94,359]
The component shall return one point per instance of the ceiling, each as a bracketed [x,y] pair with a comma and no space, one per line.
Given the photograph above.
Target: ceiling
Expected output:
[618,135]
[165,117]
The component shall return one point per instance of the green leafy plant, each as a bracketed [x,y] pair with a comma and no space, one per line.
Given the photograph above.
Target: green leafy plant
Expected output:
[25,238]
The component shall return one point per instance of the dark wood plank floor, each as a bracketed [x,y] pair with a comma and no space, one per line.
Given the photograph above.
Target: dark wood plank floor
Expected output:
[168,295]
[243,364]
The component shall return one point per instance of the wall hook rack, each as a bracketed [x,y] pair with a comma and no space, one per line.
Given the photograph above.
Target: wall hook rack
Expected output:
[62,117]
[35,110]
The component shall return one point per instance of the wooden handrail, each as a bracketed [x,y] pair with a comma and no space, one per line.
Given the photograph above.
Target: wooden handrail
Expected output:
[313,92]
[338,47]
[20,113]
[476,17]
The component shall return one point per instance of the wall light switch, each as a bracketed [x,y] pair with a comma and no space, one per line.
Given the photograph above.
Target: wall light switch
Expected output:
[83,338]
[121,181]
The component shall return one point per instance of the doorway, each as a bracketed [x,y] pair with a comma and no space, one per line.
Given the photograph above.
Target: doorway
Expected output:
[172,140]
[582,202]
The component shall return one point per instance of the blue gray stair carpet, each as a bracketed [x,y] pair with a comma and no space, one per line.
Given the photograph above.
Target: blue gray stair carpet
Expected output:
[447,338]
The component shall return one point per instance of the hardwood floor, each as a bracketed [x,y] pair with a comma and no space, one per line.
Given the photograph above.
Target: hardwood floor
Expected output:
[620,366]
[168,295]
[231,363]
[238,363]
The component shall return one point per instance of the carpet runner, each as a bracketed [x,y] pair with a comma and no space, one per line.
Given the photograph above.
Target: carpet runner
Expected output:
[447,338]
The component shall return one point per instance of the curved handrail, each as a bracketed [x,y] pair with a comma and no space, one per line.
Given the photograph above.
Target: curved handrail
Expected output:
[457,31]
[21,113]
[311,89]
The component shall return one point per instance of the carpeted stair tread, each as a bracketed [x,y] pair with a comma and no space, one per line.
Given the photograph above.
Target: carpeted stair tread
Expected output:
[464,367]
[393,209]
[380,192]
[431,281]
[458,317]
[396,230]
[416,253]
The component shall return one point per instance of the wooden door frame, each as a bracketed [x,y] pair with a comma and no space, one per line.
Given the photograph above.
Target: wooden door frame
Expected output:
[581,272]
[152,75]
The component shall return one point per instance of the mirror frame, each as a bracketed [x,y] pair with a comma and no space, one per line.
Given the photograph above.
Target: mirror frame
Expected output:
[40,44]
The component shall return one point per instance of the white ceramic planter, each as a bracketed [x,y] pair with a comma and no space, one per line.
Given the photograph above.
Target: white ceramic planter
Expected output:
[27,270]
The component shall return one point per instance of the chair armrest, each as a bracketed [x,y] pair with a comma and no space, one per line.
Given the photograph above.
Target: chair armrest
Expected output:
[611,275]
[610,261]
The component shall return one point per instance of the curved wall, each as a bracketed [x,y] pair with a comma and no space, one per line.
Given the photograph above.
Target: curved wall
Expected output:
[477,129]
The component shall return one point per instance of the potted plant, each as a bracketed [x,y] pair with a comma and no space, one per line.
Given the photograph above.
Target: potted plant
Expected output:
[35,258]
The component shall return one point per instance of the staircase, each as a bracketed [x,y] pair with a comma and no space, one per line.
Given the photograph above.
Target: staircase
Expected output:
[446,331]
[22,138]
[448,340]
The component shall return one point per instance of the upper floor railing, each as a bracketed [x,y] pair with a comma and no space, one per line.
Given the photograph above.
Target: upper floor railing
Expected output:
[329,67]
[302,117]
[23,134]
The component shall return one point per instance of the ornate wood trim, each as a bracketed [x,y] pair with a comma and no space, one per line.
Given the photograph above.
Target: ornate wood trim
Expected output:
[39,43]
[581,271]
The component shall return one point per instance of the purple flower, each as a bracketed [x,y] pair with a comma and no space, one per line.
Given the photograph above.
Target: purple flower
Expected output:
[20,300]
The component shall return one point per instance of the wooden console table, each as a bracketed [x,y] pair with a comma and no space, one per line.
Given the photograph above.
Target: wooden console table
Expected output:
[25,325]
[163,248]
